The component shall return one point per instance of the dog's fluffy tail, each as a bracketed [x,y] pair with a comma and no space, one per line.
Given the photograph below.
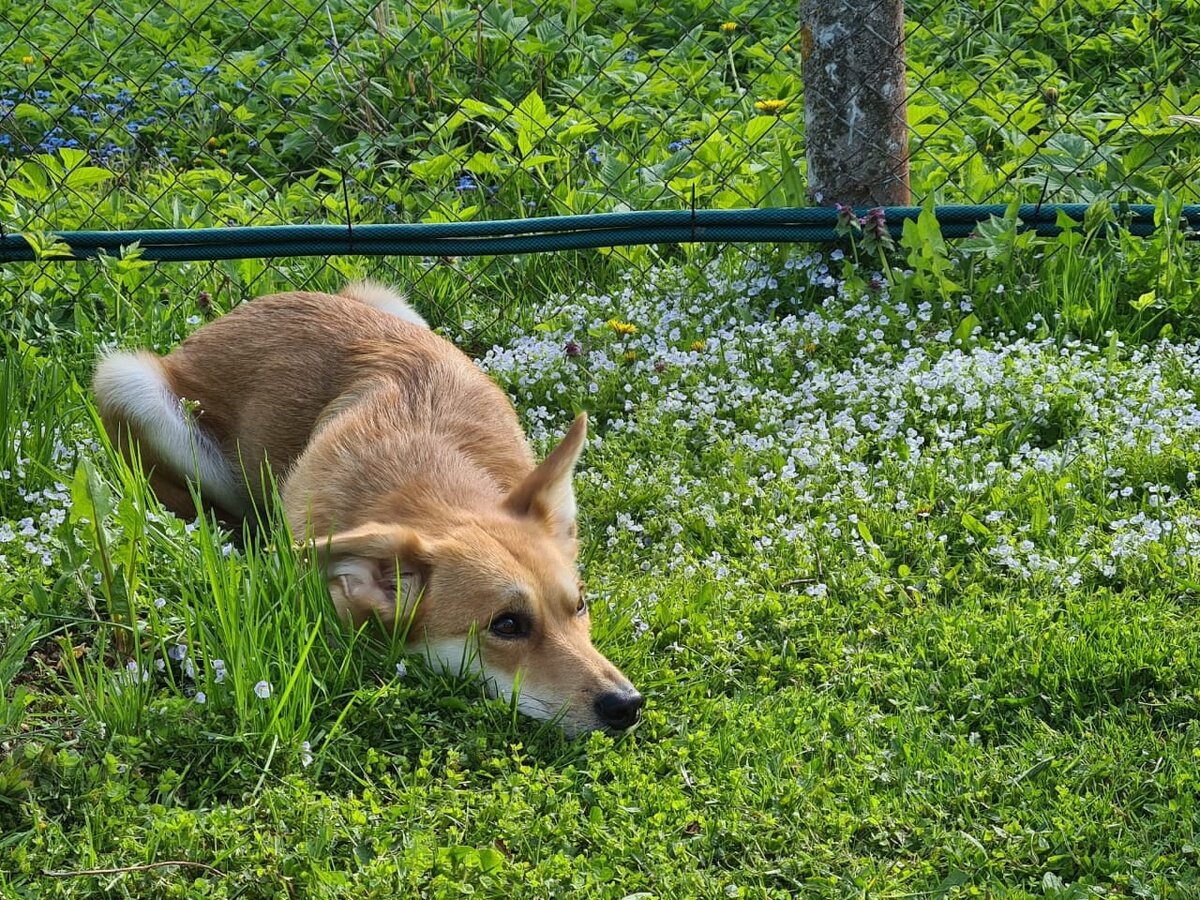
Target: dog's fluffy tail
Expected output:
[133,393]
[384,299]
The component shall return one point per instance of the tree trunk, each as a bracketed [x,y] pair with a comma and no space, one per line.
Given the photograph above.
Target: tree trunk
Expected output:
[855,101]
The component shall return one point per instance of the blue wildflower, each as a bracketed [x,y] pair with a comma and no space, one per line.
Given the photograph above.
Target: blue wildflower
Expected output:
[631,56]
[466,183]
[594,154]
[676,146]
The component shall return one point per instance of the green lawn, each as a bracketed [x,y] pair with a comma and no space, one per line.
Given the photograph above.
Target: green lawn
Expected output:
[903,549]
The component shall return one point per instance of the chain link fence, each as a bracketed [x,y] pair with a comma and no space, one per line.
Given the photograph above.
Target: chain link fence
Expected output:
[195,113]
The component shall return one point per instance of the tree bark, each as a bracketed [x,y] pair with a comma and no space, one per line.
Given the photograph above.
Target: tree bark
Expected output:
[855,101]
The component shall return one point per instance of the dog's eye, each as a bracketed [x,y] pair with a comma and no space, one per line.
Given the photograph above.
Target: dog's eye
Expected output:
[581,606]
[510,625]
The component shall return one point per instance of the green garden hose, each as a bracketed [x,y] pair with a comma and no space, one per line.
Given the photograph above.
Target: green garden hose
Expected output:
[541,235]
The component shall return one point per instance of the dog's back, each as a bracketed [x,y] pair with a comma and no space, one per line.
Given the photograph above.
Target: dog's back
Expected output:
[254,384]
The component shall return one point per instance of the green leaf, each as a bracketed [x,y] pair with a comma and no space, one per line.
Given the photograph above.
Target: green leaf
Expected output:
[966,328]
[531,113]
[29,111]
[863,531]
[483,164]
[950,882]
[1144,301]
[975,527]
[1039,516]
[757,127]
[479,108]
[490,859]
[1065,222]
[82,508]
[436,168]
[83,176]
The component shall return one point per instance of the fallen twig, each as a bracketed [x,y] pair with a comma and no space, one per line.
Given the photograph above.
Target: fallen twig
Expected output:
[119,870]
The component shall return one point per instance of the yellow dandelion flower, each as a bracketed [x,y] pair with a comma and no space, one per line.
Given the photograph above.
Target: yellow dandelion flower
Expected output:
[27,60]
[770,107]
[729,27]
[630,356]
[698,346]
[622,327]
[212,142]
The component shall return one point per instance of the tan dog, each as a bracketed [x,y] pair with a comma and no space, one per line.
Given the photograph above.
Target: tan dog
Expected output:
[408,467]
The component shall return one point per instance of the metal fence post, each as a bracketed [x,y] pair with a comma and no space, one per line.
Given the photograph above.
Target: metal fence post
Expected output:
[855,101]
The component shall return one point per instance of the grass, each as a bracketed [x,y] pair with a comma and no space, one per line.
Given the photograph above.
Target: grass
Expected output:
[911,618]
[900,542]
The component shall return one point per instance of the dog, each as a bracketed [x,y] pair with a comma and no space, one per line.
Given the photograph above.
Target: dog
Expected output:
[404,468]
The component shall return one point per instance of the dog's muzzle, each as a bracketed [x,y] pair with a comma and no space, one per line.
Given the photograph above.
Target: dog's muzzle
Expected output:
[619,710]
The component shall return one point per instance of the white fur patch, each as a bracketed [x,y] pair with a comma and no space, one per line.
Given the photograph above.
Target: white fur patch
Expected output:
[453,656]
[460,657]
[384,299]
[131,387]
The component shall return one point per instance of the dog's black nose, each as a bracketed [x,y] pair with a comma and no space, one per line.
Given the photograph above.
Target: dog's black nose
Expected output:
[619,709]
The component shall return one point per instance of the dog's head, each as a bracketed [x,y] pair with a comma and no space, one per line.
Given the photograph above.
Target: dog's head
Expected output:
[496,593]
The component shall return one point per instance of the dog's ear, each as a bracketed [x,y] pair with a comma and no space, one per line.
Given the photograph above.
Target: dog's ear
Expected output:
[547,492]
[375,572]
